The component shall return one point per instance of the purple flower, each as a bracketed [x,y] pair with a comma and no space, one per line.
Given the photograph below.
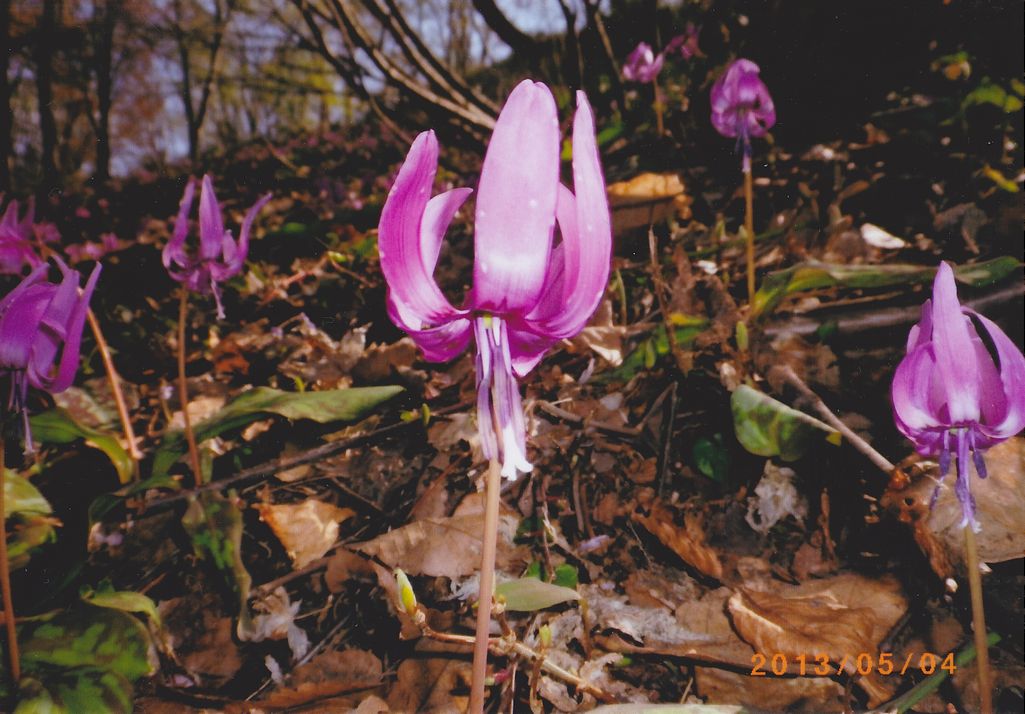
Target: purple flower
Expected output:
[219,256]
[961,387]
[16,247]
[687,43]
[528,292]
[643,65]
[41,332]
[741,106]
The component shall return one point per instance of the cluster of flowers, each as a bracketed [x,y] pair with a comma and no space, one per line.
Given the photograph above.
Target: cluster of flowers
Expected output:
[541,264]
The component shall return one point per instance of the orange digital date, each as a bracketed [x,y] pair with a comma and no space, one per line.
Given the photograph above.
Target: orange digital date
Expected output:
[863,663]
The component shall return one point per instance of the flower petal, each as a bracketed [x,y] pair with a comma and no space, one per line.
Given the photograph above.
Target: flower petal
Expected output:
[438,214]
[515,219]
[411,286]
[1012,378]
[910,392]
[586,234]
[174,251]
[438,344]
[211,226]
[952,345]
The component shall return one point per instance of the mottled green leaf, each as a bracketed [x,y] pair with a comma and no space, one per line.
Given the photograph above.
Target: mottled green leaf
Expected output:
[21,496]
[528,594]
[322,407]
[30,515]
[123,600]
[73,691]
[57,426]
[214,523]
[767,427]
[815,276]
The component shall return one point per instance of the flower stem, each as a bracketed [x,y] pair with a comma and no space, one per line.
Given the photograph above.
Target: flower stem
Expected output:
[114,379]
[659,122]
[749,229]
[183,390]
[492,490]
[5,579]
[978,621]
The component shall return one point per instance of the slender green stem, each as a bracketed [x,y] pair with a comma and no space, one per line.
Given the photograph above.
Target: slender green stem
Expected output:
[183,389]
[5,578]
[114,379]
[930,684]
[749,228]
[978,621]
[489,546]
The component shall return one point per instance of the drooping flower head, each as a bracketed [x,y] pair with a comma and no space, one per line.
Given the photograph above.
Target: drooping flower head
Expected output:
[16,247]
[741,106]
[528,291]
[686,43]
[643,65]
[41,332]
[960,389]
[219,257]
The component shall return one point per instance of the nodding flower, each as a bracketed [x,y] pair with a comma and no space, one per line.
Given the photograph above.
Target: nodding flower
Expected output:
[16,247]
[529,291]
[40,334]
[741,106]
[643,65]
[219,256]
[960,389]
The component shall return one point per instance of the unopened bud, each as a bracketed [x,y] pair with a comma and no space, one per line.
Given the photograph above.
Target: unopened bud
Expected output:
[545,636]
[407,598]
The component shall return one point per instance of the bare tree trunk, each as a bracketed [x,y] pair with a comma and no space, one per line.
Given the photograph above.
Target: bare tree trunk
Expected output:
[6,147]
[44,48]
[103,63]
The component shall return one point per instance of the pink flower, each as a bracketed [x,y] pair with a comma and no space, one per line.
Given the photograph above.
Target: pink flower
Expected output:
[643,65]
[219,257]
[528,291]
[40,333]
[16,247]
[961,387]
[686,43]
[741,106]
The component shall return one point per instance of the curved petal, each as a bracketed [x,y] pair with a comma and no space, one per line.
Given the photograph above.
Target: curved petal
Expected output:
[211,226]
[952,345]
[19,326]
[438,214]
[586,233]
[239,256]
[38,273]
[526,347]
[1012,378]
[174,251]
[439,344]
[64,320]
[910,393]
[921,333]
[515,220]
[399,239]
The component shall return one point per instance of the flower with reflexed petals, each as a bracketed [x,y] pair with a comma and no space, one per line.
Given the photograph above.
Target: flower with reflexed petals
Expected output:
[219,257]
[960,389]
[16,247]
[643,65]
[741,106]
[686,43]
[41,332]
[528,291]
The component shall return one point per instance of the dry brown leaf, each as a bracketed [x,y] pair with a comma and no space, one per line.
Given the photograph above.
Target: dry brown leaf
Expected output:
[307,530]
[426,685]
[647,198]
[329,674]
[202,639]
[344,565]
[447,547]
[769,694]
[378,362]
[687,542]
[602,336]
[841,617]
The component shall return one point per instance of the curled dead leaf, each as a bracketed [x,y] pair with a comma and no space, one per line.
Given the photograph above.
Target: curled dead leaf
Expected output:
[841,617]
[647,198]
[307,530]
[329,674]
[688,541]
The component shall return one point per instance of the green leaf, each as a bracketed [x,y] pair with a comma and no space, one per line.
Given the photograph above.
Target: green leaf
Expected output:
[988,92]
[647,352]
[815,276]
[528,594]
[566,576]
[122,600]
[21,496]
[712,458]
[214,523]
[69,691]
[767,427]
[322,407]
[31,515]
[104,504]
[57,426]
